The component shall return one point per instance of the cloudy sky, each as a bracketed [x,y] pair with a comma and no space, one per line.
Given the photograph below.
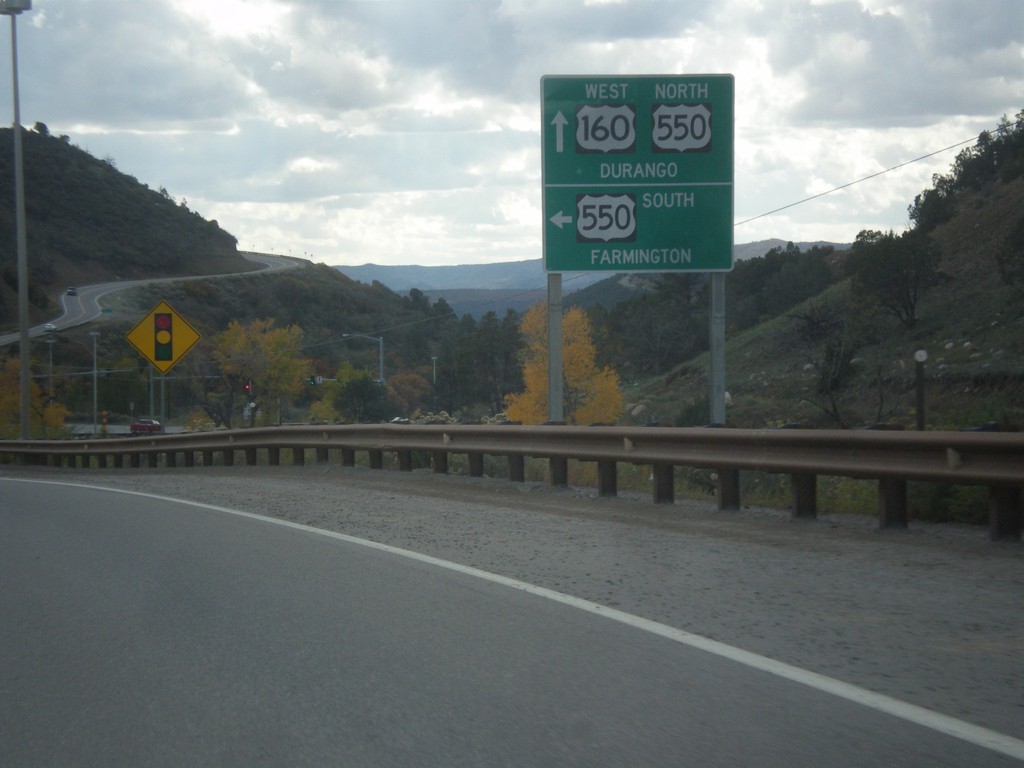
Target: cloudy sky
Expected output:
[408,131]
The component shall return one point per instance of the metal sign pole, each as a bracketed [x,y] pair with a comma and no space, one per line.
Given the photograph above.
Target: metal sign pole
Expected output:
[717,394]
[556,412]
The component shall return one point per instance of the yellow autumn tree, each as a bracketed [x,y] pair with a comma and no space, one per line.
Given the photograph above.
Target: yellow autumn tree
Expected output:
[265,356]
[45,419]
[589,394]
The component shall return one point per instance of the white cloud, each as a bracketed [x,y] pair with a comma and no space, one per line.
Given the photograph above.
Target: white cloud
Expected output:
[407,131]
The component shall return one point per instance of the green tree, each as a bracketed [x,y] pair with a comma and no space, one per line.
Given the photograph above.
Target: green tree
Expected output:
[1011,256]
[660,328]
[478,364]
[359,397]
[893,271]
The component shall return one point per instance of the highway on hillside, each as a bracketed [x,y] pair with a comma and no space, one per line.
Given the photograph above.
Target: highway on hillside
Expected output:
[84,305]
[141,630]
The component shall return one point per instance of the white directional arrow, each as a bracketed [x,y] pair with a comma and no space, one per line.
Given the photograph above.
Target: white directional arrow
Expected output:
[559,122]
[559,219]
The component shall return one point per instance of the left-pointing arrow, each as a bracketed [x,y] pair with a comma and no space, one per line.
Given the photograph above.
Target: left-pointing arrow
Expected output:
[559,219]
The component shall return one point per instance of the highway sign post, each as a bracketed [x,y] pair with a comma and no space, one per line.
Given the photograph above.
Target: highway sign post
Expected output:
[163,337]
[637,173]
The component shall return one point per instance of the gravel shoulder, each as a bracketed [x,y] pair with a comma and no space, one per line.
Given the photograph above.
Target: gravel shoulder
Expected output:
[933,615]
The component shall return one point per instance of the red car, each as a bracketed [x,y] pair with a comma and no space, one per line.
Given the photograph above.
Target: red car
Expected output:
[145,427]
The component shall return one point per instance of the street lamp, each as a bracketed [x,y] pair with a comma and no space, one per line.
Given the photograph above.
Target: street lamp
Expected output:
[433,359]
[49,342]
[12,8]
[378,339]
[95,399]
[920,358]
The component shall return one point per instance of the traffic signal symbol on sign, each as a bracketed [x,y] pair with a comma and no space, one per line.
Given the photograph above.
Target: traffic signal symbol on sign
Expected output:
[163,337]
[163,330]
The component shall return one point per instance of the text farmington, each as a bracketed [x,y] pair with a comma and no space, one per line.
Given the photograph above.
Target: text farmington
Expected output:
[635,257]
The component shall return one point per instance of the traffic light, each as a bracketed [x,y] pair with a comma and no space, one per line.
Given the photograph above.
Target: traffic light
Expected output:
[312,380]
[163,327]
[248,388]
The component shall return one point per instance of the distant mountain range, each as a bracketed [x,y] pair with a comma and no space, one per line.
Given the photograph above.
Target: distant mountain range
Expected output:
[480,288]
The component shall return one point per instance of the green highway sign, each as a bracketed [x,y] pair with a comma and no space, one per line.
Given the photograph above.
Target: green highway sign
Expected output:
[637,173]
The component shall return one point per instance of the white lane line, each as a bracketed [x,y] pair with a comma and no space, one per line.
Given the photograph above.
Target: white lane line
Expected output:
[951,726]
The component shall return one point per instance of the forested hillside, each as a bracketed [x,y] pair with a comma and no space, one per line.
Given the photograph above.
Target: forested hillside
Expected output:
[88,222]
[817,336]
[951,286]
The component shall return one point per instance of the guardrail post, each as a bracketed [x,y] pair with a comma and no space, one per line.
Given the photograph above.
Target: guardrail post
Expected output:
[376,458]
[274,456]
[118,461]
[404,461]
[517,468]
[190,459]
[440,462]
[728,489]
[1006,514]
[348,457]
[664,483]
[298,457]
[476,464]
[170,459]
[805,495]
[607,478]
[229,457]
[101,461]
[892,503]
[208,458]
[250,457]
[559,470]
[321,454]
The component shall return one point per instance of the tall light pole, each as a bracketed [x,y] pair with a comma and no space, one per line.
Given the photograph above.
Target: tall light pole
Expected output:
[12,8]
[49,342]
[379,340]
[920,358]
[433,359]
[95,398]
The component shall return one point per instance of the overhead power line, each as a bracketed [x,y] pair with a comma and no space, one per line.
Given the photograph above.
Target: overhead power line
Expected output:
[858,181]
[526,291]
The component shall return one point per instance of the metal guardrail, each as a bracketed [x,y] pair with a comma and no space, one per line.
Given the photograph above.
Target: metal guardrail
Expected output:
[992,459]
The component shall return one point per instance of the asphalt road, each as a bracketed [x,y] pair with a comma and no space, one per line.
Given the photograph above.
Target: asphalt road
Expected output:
[84,306]
[140,630]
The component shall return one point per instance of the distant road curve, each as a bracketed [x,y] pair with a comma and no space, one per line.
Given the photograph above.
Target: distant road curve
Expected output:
[85,306]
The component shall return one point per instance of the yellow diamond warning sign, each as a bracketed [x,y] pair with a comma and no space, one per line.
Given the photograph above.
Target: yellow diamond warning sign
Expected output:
[163,337]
